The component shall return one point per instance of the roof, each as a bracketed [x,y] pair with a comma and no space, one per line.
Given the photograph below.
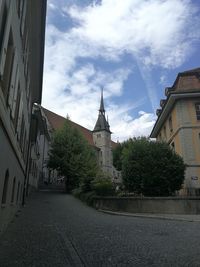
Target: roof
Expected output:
[196,70]
[102,109]
[186,85]
[58,121]
[192,72]
[102,124]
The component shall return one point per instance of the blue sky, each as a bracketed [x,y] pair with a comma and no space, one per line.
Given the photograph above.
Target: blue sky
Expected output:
[131,48]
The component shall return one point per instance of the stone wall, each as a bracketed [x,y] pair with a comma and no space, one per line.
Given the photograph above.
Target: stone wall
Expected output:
[162,205]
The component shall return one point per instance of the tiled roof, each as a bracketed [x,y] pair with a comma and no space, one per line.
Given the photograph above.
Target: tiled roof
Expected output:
[57,122]
[196,70]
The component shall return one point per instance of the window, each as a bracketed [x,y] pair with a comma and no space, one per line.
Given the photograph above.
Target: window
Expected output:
[23,16]
[8,66]
[18,124]
[197,107]
[16,111]
[24,145]
[3,18]
[170,124]
[21,137]
[19,7]
[5,188]
[13,85]
[5,29]
[13,190]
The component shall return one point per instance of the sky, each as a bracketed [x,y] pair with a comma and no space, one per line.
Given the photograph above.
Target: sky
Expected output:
[133,49]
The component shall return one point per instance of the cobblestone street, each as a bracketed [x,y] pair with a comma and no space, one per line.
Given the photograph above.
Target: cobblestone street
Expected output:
[55,229]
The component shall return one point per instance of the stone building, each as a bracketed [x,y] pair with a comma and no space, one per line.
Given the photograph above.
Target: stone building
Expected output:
[99,138]
[102,139]
[22,28]
[178,124]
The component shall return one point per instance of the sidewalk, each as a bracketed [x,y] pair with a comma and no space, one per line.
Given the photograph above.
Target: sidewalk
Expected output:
[174,217]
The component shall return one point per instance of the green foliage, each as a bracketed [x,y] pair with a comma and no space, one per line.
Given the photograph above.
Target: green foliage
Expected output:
[72,157]
[117,153]
[151,168]
[84,196]
[103,186]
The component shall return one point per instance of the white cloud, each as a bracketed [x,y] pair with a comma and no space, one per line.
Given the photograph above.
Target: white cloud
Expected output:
[155,33]
[129,127]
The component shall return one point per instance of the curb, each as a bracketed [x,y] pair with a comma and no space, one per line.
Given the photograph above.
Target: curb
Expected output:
[152,216]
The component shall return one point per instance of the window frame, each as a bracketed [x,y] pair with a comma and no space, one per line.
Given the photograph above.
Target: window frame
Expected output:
[197,104]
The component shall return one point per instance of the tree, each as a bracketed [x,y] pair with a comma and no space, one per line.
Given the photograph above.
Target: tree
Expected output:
[72,157]
[117,154]
[151,168]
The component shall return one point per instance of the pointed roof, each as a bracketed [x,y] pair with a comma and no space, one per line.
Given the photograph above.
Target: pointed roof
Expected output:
[101,109]
[102,124]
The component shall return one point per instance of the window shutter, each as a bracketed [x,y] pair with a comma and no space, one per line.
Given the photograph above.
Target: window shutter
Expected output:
[15,92]
[23,17]
[20,116]
[13,81]
[1,5]
[5,41]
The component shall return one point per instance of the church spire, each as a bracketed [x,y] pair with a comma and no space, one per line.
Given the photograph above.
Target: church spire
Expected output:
[101,124]
[101,109]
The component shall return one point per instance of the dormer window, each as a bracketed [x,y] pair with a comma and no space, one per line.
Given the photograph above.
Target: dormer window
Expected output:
[197,108]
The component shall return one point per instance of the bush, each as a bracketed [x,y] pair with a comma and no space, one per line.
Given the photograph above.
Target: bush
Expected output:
[151,168]
[103,186]
[77,192]
[84,196]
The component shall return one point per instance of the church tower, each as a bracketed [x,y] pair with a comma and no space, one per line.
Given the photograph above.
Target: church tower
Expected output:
[102,140]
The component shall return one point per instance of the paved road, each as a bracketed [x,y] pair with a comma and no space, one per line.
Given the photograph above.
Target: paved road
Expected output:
[57,230]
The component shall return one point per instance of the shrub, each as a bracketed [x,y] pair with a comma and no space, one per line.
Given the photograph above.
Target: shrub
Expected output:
[151,168]
[103,186]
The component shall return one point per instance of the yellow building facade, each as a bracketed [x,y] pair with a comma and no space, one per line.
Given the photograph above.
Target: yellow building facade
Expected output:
[178,124]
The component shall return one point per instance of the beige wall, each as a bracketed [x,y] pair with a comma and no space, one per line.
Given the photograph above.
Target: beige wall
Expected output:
[186,137]
[103,141]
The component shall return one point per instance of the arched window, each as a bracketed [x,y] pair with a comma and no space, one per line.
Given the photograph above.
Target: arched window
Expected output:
[5,188]
[13,190]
